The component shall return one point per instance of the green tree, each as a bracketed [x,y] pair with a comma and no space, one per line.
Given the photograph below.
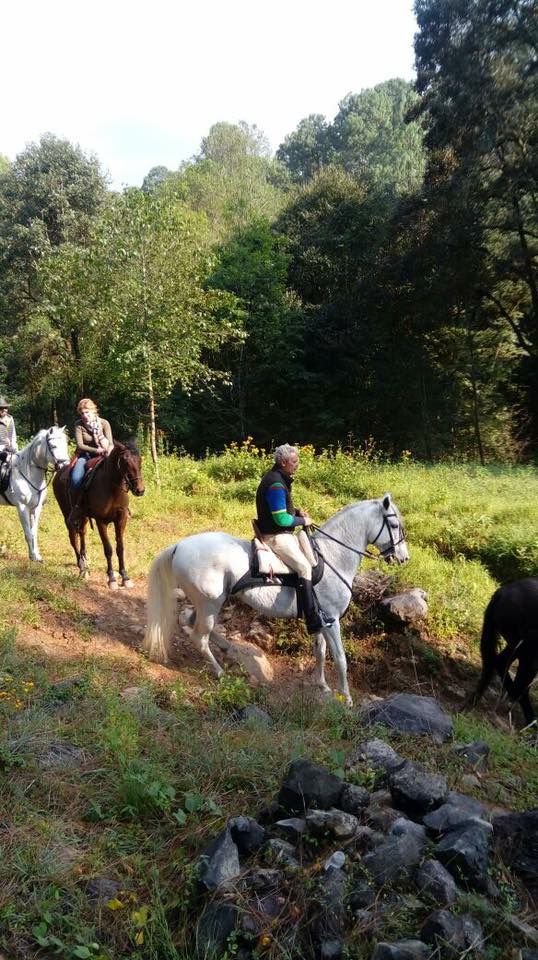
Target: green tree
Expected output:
[309,148]
[476,71]
[48,197]
[233,180]
[144,319]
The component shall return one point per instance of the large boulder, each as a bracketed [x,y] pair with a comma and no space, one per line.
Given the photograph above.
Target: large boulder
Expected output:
[464,852]
[516,838]
[409,713]
[309,786]
[416,791]
[409,607]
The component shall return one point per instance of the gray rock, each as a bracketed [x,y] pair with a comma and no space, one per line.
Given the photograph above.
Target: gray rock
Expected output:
[408,607]
[416,791]
[292,828]
[432,878]
[410,713]
[215,925]
[329,899]
[331,949]
[516,838]
[247,835]
[367,839]
[402,826]
[476,753]
[402,950]
[458,809]
[219,862]
[375,754]
[382,818]
[362,896]
[102,889]
[282,852]
[252,714]
[465,853]
[307,785]
[334,822]
[60,753]
[444,931]
[473,935]
[354,799]
[392,858]
[261,879]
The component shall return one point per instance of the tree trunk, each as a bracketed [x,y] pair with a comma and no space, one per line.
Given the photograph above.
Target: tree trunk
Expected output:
[474,389]
[152,429]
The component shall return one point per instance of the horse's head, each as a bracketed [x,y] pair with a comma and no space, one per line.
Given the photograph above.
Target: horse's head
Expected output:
[129,464]
[390,537]
[56,452]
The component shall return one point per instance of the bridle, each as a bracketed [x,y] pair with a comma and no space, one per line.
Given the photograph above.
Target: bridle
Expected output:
[129,482]
[389,551]
[56,462]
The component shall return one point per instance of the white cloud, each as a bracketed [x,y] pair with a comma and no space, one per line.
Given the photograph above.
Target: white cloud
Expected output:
[140,84]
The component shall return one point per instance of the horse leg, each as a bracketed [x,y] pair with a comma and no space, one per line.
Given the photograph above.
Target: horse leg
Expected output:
[24,517]
[334,637]
[119,526]
[107,547]
[206,618]
[320,647]
[34,522]
[525,674]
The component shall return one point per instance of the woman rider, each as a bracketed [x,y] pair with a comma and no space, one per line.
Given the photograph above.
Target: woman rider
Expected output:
[93,436]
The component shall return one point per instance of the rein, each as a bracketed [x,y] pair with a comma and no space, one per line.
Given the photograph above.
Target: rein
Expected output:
[360,553]
[40,490]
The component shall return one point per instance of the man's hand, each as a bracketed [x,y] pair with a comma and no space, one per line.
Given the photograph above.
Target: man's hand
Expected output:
[307,520]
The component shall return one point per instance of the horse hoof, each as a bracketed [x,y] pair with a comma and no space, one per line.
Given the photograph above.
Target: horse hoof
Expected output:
[128,584]
[113,585]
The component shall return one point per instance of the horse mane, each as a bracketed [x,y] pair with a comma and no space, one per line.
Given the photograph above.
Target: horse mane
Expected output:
[129,444]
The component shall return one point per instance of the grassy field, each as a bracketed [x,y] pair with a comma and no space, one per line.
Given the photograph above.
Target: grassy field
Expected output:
[155,776]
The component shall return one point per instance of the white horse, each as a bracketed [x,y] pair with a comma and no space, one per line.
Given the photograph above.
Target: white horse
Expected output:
[207,565]
[27,490]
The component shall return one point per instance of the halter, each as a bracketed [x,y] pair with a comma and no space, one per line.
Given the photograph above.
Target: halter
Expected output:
[389,551]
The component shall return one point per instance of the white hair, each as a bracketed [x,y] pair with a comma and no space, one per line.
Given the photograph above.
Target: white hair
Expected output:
[284,452]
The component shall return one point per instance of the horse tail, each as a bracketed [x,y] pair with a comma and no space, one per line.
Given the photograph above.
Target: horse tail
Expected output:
[161,607]
[488,648]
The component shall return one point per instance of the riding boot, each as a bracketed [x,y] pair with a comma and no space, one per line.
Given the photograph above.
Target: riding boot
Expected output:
[314,617]
[78,511]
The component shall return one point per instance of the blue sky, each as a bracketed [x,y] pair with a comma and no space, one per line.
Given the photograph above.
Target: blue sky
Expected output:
[139,84]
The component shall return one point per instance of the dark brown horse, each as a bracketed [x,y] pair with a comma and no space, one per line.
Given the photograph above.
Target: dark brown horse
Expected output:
[105,501]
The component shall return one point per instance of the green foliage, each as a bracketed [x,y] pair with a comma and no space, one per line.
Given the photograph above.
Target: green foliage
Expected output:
[230,693]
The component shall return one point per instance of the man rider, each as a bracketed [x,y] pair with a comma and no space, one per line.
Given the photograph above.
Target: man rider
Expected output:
[8,434]
[277,521]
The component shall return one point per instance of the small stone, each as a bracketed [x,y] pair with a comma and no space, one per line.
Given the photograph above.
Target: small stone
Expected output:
[335,822]
[432,878]
[476,753]
[102,889]
[402,950]
[470,781]
[528,933]
[292,828]
[416,791]
[354,799]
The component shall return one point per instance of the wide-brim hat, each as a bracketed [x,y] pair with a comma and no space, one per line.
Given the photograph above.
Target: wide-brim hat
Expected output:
[3,402]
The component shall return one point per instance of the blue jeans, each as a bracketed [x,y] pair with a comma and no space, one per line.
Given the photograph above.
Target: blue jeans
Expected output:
[77,473]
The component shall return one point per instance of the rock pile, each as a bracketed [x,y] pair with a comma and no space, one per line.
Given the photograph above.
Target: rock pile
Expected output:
[328,866]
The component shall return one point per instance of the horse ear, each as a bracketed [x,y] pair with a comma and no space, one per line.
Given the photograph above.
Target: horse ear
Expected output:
[64,427]
[386,501]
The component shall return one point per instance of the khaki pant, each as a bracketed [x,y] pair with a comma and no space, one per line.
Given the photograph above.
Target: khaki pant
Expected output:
[287,547]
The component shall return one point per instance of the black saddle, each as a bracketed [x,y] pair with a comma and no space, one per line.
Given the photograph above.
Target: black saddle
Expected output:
[5,475]
[253,578]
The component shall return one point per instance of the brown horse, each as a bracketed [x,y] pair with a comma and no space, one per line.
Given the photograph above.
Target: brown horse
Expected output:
[105,501]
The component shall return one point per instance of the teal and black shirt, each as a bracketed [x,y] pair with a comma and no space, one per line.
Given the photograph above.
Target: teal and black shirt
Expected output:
[276,513]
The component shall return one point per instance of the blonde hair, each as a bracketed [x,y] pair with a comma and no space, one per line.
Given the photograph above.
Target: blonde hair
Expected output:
[86,404]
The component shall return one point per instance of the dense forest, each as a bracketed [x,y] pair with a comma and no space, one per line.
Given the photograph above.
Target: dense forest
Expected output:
[374,283]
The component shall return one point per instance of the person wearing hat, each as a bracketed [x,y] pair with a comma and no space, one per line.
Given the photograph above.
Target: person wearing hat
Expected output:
[8,434]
